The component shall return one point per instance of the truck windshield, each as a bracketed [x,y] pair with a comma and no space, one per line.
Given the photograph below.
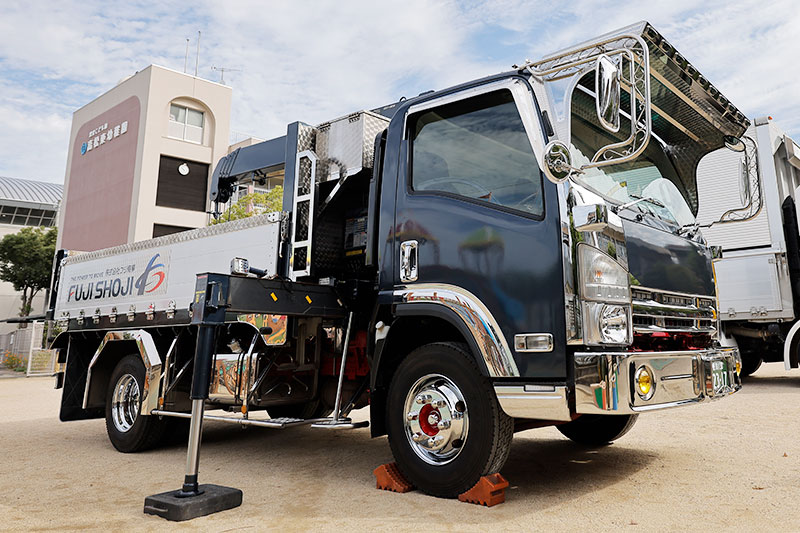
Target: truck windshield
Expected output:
[651,175]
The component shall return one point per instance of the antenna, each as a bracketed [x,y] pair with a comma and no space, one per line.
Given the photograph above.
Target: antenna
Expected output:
[186,57]
[197,55]
[222,71]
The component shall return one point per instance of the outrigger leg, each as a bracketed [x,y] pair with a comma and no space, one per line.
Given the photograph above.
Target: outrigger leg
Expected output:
[192,499]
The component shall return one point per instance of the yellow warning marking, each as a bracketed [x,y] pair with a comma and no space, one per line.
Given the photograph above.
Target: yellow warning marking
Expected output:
[308,299]
[274,298]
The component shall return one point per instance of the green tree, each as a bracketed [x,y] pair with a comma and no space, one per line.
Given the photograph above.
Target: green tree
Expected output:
[255,203]
[26,261]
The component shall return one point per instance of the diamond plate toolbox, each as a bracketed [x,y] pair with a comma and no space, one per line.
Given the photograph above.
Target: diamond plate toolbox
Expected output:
[345,145]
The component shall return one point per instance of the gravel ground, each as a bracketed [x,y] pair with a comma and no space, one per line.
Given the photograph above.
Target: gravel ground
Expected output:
[730,464]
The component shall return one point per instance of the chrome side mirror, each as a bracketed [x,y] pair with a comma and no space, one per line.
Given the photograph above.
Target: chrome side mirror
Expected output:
[557,162]
[749,181]
[607,77]
[733,143]
[745,194]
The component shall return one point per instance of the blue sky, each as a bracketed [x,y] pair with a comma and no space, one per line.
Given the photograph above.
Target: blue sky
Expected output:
[313,61]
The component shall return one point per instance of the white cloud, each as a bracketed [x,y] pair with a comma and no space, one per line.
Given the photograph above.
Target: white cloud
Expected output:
[314,61]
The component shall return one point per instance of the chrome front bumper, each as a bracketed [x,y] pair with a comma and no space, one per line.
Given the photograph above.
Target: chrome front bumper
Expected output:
[604,382]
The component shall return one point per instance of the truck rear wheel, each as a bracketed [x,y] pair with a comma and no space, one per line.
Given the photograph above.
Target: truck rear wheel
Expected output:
[597,430]
[445,427]
[127,429]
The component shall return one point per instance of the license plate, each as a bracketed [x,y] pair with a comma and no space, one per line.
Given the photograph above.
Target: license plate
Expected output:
[719,376]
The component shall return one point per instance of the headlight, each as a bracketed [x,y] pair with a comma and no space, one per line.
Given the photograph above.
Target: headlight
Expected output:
[605,291]
[602,279]
[606,323]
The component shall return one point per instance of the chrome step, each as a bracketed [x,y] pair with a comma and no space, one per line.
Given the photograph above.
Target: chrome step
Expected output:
[274,423]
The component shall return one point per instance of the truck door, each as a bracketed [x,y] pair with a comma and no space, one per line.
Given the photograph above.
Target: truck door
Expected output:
[473,211]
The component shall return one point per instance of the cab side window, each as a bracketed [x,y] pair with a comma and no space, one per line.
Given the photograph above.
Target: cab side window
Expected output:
[476,148]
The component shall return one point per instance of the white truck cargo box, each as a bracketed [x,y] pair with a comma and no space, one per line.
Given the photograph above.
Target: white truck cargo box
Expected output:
[161,272]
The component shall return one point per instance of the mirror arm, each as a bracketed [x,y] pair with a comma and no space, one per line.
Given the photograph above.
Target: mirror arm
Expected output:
[756,203]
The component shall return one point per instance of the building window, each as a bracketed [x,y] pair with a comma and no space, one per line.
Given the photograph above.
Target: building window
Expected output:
[159,230]
[24,216]
[182,184]
[185,124]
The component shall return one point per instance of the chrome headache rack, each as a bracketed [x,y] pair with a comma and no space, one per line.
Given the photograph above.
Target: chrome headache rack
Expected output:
[662,312]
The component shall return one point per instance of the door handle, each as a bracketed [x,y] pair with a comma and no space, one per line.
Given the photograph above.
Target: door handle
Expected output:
[408,261]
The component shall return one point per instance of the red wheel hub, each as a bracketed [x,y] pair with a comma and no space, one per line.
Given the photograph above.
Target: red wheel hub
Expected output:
[429,418]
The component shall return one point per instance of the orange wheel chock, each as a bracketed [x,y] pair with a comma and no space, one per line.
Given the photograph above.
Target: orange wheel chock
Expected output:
[489,490]
[388,477]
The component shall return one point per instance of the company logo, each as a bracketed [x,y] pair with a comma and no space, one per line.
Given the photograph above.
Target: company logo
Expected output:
[83,148]
[152,277]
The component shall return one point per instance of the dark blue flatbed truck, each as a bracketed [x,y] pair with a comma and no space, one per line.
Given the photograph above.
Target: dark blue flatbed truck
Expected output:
[504,254]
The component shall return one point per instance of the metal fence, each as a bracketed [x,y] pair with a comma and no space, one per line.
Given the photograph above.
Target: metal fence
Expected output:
[26,344]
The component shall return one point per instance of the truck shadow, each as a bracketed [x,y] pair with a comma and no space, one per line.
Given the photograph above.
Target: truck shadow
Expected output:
[546,471]
[552,471]
[789,381]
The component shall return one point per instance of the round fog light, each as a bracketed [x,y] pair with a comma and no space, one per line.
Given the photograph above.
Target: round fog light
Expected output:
[645,383]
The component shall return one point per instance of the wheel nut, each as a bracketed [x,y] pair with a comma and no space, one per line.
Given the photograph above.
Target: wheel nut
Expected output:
[433,441]
[423,399]
[439,403]
[418,437]
[412,416]
[444,424]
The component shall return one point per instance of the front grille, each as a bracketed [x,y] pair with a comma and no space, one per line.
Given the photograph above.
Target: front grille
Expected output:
[660,311]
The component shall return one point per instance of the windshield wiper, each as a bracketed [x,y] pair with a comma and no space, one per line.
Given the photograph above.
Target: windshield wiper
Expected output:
[638,199]
[688,230]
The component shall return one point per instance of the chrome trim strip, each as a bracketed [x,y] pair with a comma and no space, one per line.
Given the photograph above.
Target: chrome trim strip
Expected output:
[604,381]
[479,321]
[672,293]
[150,358]
[677,376]
[653,328]
[519,401]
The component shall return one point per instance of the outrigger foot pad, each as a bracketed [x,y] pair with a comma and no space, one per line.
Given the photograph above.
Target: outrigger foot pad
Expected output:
[489,490]
[212,499]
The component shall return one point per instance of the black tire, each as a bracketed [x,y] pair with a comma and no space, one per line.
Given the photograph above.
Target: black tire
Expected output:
[312,409]
[145,431]
[752,353]
[751,362]
[597,430]
[486,435]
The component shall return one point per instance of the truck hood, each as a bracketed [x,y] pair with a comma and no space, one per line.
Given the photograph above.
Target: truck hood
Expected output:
[661,260]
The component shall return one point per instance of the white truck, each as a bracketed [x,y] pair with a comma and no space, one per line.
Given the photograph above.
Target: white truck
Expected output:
[474,261]
[758,273]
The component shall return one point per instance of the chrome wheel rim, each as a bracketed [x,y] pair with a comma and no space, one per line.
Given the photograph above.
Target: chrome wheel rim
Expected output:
[436,419]
[125,403]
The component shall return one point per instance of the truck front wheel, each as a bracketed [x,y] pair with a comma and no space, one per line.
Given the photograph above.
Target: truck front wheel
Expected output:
[127,429]
[445,427]
[597,430]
